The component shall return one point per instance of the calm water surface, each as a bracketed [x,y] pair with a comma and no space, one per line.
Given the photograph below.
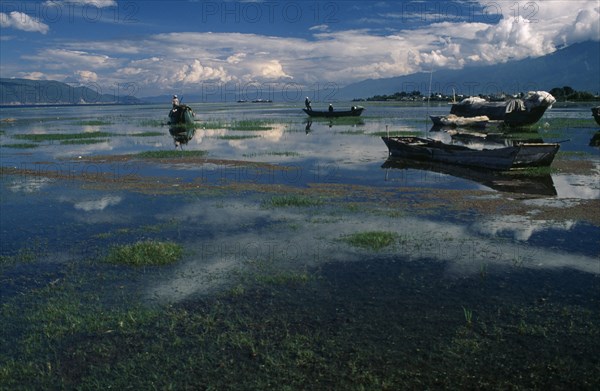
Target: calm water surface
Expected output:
[488,276]
[69,217]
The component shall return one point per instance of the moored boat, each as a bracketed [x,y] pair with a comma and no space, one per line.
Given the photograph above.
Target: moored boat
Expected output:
[355,111]
[181,115]
[452,120]
[506,158]
[513,112]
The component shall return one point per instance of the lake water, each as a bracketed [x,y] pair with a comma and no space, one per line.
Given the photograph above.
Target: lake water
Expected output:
[66,202]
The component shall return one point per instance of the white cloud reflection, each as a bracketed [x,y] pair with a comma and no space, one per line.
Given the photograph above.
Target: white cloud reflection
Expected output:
[292,239]
[99,204]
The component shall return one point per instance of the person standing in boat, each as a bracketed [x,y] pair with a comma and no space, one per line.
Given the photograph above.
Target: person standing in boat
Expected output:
[307,103]
[330,108]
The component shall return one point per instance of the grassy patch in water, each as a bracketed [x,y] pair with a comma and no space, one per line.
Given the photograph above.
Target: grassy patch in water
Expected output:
[145,253]
[371,240]
[146,134]
[20,145]
[61,136]
[250,125]
[83,141]
[213,125]
[170,154]
[292,200]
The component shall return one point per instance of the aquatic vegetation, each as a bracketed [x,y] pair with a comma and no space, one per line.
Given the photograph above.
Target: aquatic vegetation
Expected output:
[83,141]
[61,136]
[292,200]
[146,134]
[20,145]
[371,240]
[145,253]
[250,125]
[468,313]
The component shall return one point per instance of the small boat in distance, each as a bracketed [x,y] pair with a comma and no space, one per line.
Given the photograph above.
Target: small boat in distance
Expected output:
[514,112]
[355,111]
[181,115]
[506,158]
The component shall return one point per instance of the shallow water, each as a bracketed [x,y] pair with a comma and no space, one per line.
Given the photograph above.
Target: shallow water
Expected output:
[66,207]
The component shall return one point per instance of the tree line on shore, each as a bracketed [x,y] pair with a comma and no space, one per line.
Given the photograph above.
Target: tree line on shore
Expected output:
[562,94]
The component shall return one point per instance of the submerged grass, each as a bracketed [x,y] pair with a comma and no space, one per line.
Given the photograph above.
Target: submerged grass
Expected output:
[20,145]
[369,325]
[292,201]
[145,253]
[371,240]
[146,134]
[250,125]
[61,136]
[83,141]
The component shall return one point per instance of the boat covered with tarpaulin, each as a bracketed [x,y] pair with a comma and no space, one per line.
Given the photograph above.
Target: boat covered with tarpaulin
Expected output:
[513,112]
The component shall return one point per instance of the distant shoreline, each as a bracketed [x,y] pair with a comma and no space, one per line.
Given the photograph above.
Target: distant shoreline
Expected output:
[69,104]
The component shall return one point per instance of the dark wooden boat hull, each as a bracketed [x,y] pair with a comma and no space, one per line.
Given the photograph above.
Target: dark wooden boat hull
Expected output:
[334,114]
[596,114]
[535,155]
[518,156]
[496,111]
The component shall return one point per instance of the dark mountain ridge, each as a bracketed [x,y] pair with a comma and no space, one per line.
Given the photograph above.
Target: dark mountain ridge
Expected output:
[577,66]
[50,92]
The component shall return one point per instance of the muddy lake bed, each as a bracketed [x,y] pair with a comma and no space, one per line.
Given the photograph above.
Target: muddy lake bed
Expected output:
[302,257]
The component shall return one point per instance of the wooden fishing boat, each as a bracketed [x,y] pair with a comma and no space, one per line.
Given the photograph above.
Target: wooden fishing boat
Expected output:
[355,111]
[514,112]
[455,121]
[506,158]
[181,115]
[596,114]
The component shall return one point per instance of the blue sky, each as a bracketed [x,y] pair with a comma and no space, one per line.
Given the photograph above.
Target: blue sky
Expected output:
[156,47]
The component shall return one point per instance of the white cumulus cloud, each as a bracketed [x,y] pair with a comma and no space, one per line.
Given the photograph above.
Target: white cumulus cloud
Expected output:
[22,21]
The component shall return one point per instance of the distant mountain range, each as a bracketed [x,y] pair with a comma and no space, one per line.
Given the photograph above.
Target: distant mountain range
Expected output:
[577,66]
[49,92]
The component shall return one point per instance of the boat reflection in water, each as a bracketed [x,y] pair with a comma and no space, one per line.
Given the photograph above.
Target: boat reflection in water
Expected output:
[511,182]
[181,135]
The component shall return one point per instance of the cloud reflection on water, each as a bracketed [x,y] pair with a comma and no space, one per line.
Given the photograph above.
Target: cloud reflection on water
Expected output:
[292,239]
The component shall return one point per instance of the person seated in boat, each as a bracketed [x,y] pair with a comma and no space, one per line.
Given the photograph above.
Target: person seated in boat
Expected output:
[175,102]
[307,103]
[353,109]
[330,108]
